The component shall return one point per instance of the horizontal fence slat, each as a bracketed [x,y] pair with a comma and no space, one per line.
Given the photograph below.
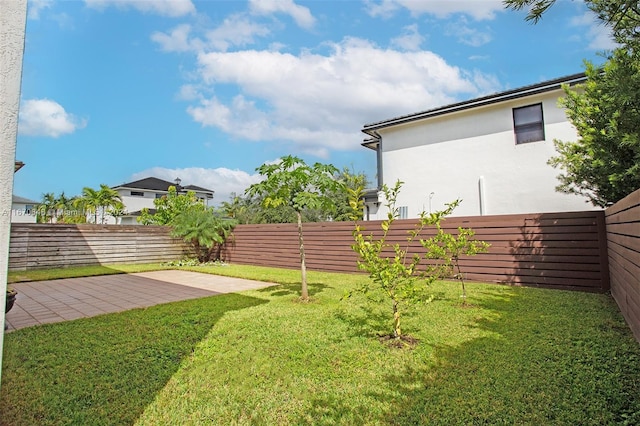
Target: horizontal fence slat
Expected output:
[623,240]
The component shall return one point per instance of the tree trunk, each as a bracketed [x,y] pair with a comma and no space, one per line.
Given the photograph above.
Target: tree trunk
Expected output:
[396,320]
[303,266]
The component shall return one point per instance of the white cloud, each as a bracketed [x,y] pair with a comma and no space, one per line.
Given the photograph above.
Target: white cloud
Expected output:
[598,35]
[44,117]
[170,8]
[221,180]
[36,6]
[410,40]
[236,30]
[300,14]
[320,102]
[467,35]
[177,40]
[477,9]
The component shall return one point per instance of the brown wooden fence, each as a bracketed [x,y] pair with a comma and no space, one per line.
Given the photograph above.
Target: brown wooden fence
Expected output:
[36,246]
[623,239]
[555,250]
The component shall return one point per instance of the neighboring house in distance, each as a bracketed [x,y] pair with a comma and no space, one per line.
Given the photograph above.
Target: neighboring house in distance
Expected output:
[141,193]
[491,152]
[23,210]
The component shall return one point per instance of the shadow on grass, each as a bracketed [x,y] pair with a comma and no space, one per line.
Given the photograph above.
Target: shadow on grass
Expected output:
[103,370]
[375,319]
[293,289]
[542,358]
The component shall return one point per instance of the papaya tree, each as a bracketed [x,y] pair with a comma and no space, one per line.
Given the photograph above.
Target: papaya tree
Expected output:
[293,183]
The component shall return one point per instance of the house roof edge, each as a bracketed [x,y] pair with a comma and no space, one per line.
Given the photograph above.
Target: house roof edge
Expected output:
[532,89]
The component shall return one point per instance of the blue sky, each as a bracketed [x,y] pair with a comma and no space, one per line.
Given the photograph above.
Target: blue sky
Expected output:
[118,90]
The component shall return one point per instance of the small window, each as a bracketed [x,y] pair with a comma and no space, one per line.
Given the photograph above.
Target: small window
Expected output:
[403,212]
[137,194]
[159,195]
[528,124]
[28,208]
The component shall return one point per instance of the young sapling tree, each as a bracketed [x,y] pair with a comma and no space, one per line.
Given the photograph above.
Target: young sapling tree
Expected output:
[446,249]
[293,183]
[394,271]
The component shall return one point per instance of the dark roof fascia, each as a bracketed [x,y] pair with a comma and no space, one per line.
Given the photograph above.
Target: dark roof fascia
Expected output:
[149,184]
[534,89]
[159,185]
[371,143]
[196,188]
[139,212]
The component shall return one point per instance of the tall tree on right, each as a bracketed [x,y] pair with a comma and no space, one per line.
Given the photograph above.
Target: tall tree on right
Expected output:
[604,163]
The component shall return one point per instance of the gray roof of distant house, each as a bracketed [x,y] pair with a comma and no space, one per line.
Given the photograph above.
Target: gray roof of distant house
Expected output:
[485,100]
[155,184]
[22,200]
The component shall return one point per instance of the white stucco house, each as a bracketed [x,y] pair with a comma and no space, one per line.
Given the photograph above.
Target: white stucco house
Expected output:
[141,193]
[490,152]
[23,210]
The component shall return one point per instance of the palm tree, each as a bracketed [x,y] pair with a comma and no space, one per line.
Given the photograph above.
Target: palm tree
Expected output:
[91,201]
[108,197]
[46,209]
[62,207]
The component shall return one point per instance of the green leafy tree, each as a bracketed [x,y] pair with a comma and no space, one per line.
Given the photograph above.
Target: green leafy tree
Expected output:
[47,208]
[169,206]
[350,182]
[116,212]
[204,231]
[396,272]
[448,248]
[69,210]
[294,184]
[91,201]
[393,271]
[604,163]
[97,202]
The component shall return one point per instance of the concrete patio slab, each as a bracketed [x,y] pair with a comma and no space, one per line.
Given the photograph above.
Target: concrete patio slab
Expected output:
[42,302]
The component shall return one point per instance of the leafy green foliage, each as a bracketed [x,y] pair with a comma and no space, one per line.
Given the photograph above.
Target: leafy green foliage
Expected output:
[396,274]
[604,163]
[169,206]
[99,201]
[294,184]
[251,208]
[447,248]
[204,231]
[391,268]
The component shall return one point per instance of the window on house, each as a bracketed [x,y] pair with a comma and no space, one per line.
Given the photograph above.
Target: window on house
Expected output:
[137,194]
[28,208]
[403,212]
[159,195]
[528,124]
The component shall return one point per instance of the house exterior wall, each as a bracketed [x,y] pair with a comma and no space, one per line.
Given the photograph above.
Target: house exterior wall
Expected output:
[135,203]
[472,155]
[23,213]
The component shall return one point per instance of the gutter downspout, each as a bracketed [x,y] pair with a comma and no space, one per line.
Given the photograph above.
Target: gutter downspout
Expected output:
[375,135]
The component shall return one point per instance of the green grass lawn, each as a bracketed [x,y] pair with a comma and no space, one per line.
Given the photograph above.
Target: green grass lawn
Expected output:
[517,356]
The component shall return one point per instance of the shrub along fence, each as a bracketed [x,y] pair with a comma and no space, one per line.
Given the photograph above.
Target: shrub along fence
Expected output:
[623,239]
[38,246]
[555,250]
